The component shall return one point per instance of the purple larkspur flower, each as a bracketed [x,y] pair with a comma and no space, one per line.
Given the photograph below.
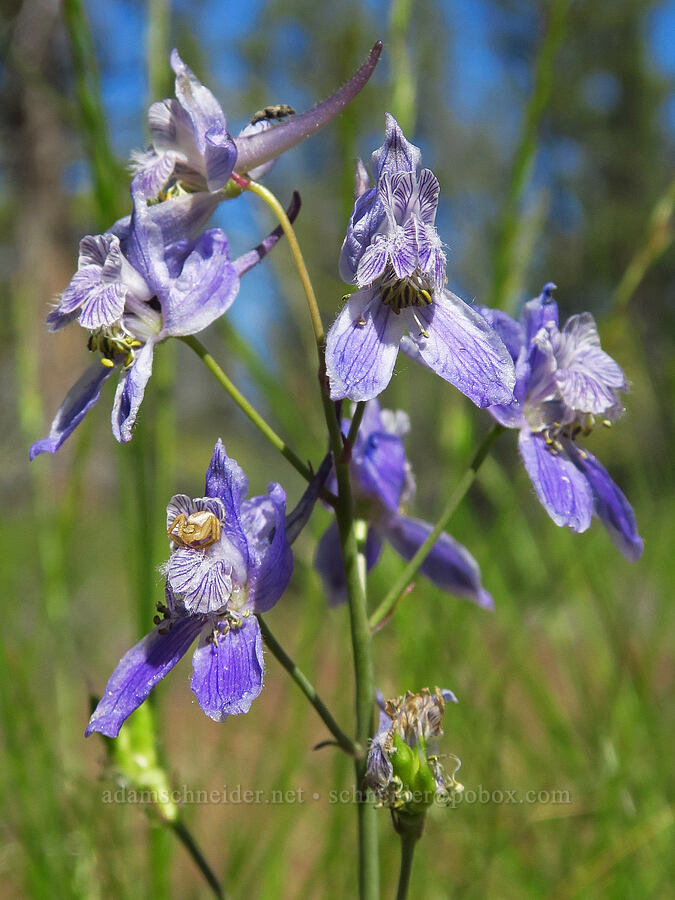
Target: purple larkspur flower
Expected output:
[394,255]
[382,482]
[230,559]
[191,144]
[566,385]
[145,280]
[403,768]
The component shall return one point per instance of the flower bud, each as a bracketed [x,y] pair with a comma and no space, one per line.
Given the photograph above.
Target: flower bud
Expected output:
[403,768]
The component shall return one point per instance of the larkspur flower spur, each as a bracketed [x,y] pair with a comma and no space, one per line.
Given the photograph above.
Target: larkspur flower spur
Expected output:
[566,385]
[141,282]
[394,255]
[230,559]
[382,482]
[191,144]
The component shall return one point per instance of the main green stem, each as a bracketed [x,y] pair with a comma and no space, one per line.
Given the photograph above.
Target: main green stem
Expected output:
[402,583]
[354,568]
[408,843]
[308,689]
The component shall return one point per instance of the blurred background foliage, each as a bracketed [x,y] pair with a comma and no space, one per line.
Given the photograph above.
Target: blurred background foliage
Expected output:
[551,127]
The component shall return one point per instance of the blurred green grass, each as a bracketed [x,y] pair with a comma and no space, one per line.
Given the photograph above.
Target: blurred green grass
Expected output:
[565,688]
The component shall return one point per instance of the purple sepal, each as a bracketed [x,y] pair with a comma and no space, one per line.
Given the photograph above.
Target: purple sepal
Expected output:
[256,149]
[379,461]
[139,671]
[226,480]
[79,400]
[205,288]
[510,331]
[180,218]
[130,392]
[209,126]
[449,565]
[362,346]
[270,556]
[463,349]
[562,489]
[395,155]
[610,505]
[228,671]
[329,565]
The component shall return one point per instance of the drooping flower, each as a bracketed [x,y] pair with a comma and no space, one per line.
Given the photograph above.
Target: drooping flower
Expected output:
[382,482]
[403,768]
[229,560]
[145,280]
[191,144]
[394,255]
[566,385]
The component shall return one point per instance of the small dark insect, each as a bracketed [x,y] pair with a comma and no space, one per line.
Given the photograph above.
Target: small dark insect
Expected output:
[281,111]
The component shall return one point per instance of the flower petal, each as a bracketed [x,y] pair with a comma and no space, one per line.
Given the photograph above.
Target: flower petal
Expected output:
[373,261]
[205,288]
[588,378]
[449,565]
[428,191]
[430,254]
[464,350]
[610,505]
[403,194]
[562,489]
[270,556]
[203,579]
[181,504]
[152,171]
[79,400]
[169,126]
[102,306]
[360,357]
[139,671]
[228,677]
